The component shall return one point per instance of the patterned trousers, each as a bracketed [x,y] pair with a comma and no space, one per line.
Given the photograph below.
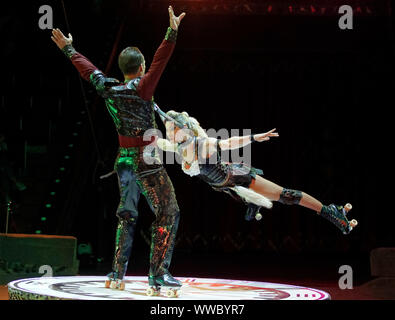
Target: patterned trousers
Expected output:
[136,177]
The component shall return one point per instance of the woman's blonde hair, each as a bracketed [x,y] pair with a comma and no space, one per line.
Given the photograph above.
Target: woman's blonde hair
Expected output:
[184,119]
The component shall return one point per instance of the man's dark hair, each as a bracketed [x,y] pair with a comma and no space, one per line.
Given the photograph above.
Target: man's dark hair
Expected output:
[130,59]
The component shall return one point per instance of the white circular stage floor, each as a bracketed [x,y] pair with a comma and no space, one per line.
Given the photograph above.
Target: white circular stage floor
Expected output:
[92,288]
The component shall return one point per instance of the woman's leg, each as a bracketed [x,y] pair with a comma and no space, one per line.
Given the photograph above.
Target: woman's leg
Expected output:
[275,192]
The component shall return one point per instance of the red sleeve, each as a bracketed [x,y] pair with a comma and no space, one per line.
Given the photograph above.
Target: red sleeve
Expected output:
[149,81]
[83,65]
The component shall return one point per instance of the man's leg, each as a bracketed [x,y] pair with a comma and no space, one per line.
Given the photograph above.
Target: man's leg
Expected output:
[159,191]
[127,218]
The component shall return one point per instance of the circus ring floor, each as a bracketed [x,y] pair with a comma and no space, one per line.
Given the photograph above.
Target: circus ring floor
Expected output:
[92,288]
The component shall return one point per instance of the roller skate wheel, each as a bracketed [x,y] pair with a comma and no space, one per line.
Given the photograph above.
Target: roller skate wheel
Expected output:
[172,293]
[258,216]
[122,286]
[107,284]
[348,207]
[152,292]
[353,223]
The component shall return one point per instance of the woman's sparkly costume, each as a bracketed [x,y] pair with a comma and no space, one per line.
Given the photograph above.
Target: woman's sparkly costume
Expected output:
[130,104]
[214,171]
[231,178]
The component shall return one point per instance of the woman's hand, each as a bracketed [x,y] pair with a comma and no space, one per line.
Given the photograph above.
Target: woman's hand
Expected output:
[59,38]
[175,21]
[166,145]
[265,136]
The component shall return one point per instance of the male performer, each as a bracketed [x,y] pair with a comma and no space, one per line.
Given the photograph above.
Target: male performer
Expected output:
[130,103]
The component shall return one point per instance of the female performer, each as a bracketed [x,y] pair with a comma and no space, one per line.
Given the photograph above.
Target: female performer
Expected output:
[201,157]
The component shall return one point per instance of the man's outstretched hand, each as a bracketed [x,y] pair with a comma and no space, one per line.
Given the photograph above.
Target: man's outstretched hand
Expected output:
[59,38]
[175,21]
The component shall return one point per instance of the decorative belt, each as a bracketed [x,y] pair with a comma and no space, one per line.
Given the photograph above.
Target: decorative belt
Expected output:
[130,142]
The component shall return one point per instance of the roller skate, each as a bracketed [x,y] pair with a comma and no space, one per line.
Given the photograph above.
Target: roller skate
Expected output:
[113,283]
[338,216]
[253,212]
[167,281]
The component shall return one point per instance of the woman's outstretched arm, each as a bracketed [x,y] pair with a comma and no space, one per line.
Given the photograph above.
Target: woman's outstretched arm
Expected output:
[240,142]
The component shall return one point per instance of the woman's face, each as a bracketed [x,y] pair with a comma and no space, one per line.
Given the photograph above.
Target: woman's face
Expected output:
[174,133]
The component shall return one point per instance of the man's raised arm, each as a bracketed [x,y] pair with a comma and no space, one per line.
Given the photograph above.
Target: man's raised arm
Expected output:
[149,81]
[83,65]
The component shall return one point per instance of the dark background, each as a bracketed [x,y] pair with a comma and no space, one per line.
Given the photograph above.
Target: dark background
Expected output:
[329,93]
